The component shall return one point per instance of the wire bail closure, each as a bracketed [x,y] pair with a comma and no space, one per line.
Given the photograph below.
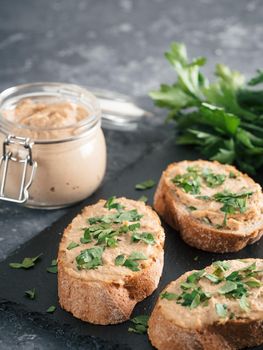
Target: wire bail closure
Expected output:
[27,162]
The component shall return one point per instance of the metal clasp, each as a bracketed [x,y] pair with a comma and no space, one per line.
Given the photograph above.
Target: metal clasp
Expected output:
[27,162]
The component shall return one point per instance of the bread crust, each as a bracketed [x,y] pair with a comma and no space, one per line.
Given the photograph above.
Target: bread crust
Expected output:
[192,231]
[239,334]
[103,302]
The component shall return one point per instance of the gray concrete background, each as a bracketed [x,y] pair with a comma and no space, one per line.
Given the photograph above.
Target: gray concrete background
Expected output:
[116,45]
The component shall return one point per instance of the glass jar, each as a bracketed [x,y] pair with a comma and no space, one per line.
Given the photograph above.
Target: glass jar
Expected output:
[55,166]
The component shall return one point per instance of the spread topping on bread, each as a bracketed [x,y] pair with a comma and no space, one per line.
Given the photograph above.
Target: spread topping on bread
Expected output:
[217,195]
[106,231]
[118,236]
[230,288]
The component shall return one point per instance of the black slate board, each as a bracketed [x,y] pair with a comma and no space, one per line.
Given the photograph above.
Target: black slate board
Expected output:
[178,257]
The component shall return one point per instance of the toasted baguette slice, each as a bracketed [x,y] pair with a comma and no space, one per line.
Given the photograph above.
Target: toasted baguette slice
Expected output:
[194,197]
[92,287]
[212,320]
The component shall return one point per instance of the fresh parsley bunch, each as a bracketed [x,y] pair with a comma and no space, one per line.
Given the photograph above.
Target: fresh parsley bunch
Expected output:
[224,119]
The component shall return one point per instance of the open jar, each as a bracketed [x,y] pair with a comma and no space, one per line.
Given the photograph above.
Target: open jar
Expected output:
[54,151]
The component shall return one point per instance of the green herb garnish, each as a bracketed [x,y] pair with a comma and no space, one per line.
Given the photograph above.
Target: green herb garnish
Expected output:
[221,310]
[31,293]
[131,262]
[213,180]
[27,263]
[232,175]
[119,260]
[190,182]
[53,268]
[72,245]
[244,304]
[140,324]
[191,208]
[232,202]
[223,119]
[143,199]
[145,237]
[51,309]
[169,296]
[112,204]
[145,185]
[90,258]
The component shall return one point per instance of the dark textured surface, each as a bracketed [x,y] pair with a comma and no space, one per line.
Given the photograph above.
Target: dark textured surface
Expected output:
[113,44]
[178,258]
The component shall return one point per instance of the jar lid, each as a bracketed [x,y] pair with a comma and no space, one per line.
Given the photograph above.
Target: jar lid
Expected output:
[119,112]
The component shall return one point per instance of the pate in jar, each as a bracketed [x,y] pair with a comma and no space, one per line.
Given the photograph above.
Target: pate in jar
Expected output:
[54,151]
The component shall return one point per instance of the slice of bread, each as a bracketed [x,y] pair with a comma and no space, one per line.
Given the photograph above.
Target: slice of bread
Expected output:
[92,284]
[214,206]
[218,308]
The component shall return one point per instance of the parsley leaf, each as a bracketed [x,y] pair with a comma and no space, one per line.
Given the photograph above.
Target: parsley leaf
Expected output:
[31,293]
[72,245]
[221,310]
[112,204]
[232,202]
[53,268]
[90,258]
[228,287]
[145,237]
[169,296]
[244,304]
[140,324]
[119,260]
[223,118]
[190,181]
[213,180]
[51,309]
[131,261]
[27,263]
[145,185]
[143,199]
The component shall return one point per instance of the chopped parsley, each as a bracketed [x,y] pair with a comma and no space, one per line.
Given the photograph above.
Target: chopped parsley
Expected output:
[145,237]
[53,268]
[72,245]
[143,199]
[112,204]
[213,180]
[232,202]
[193,297]
[191,208]
[31,293]
[244,304]
[90,258]
[140,324]
[169,296]
[105,231]
[221,310]
[51,309]
[145,185]
[190,181]
[232,175]
[119,260]
[234,285]
[27,263]
[131,262]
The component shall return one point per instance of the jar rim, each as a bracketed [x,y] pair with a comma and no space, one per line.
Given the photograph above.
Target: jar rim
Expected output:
[54,89]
